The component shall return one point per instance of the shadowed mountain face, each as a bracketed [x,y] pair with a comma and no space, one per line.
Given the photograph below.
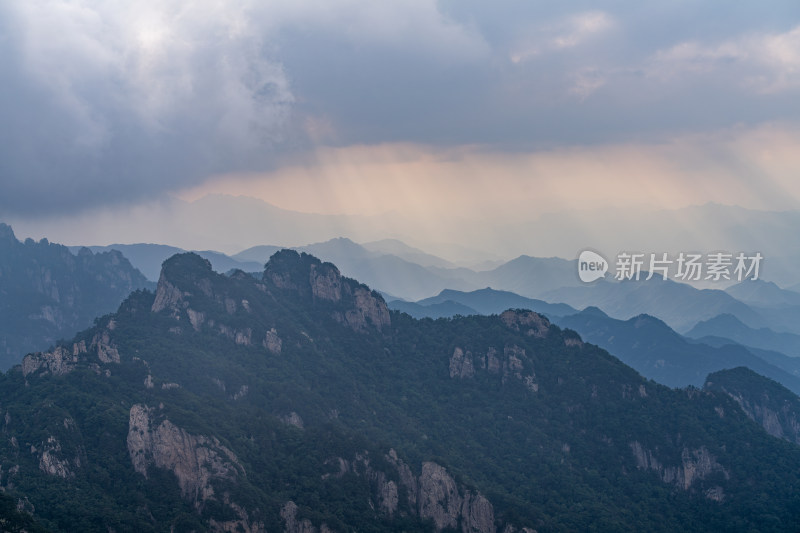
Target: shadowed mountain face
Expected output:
[763,294]
[658,352]
[149,257]
[678,304]
[389,266]
[729,327]
[765,401]
[47,293]
[298,402]
[645,343]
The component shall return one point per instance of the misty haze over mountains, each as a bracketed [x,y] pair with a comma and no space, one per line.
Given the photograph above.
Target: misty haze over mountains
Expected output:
[472,241]
[407,273]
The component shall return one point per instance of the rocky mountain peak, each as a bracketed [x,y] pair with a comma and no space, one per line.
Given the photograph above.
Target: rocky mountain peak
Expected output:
[528,322]
[180,275]
[322,282]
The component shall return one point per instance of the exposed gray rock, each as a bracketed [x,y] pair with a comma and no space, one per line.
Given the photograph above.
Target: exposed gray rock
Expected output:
[528,322]
[326,282]
[388,497]
[243,337]
[196,318]
[106,351]
[273,342]
[512,366]
[407,478]
[782,423]
[492,362]
[694,465]
[241,524]
[63,359]
[293,525]
[477,514]
[195,460]
[293,419]
[58,362]
[369,310]
[461,365]
[50,461]
[168,296]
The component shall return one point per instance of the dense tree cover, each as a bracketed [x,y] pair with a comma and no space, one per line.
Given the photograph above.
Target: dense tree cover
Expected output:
[553,451]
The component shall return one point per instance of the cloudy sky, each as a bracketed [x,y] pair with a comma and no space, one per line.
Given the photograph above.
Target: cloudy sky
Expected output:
[433,111]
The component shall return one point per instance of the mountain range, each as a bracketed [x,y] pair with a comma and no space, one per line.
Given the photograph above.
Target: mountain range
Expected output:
[643,342]
[729,327]
[250,222]
[405,273]
[297,401]
[47,293]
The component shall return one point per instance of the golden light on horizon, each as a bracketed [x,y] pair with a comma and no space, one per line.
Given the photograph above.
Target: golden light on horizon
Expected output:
[752,168]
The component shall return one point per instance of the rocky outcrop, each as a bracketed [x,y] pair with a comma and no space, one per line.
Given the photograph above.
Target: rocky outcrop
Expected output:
[369,310]
[358,307]
[196,460]
[273,342]
[512,365]
[50,293]
[766,402]
[51,461]
[243,337]
[438,496]
[461,365]
[58,362]
[293,525]
[492,362]
[434,494]
[326,282]
[477,514]
[527,322]
[62,359]
[781,422]
[694,466]
[196,318]
[293,419]
[168,296]
[106,350]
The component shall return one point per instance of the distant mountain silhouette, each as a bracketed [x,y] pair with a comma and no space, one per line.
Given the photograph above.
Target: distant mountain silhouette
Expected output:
[729,327]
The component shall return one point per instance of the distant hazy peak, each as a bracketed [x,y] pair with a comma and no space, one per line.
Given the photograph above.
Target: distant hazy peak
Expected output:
[6,233]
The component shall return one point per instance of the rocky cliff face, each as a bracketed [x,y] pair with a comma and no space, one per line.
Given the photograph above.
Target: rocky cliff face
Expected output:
[195,460]
[764,401]
[62,360]
[47,293]
[179,296]
[295,525]
[359,307]
[691,469]
[433,494]
[528,322]
[512,364]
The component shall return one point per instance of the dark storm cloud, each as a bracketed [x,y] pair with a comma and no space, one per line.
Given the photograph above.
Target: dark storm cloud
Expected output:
[105,102]
[553,73]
